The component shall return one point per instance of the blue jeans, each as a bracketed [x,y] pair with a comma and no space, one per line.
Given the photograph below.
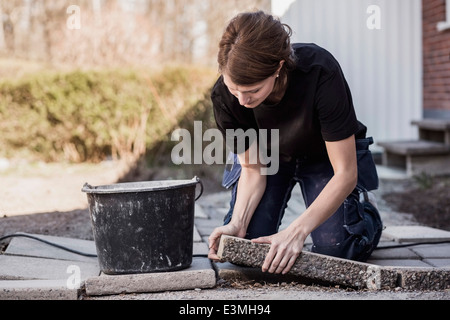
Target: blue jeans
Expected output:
[354,230]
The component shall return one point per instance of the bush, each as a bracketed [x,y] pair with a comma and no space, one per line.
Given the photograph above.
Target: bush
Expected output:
[90,115]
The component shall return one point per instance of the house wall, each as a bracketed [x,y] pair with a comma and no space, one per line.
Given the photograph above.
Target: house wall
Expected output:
[379,46]
[436,59]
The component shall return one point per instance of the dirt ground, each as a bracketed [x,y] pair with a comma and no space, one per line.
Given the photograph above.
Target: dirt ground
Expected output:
[428,199]
[46,199]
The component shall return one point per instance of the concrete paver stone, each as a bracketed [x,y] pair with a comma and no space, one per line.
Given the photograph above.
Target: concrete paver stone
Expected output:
[29,268]
[197,236]
[341,271]
[33,248]
[37,290]
[402,234]
[395,253]
[424,278]
[199,275]
[199,212]
[433,251]
[414,263]
[438,263]
[310,265]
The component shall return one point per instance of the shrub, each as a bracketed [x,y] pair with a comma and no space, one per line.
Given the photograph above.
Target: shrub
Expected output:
[90,115]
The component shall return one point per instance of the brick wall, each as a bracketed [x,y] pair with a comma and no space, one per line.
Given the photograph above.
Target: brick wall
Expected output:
[436,54]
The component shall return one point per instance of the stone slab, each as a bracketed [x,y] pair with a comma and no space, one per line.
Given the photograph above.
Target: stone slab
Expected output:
[200,249]
[424,278]
[404,234]
[28,268]
[33,248]
[215,200]
[206,226]
[440,251]
[310,265]
[197,236]
[416,147]
[395,253]
[433,124]
[413,263]
[200,213]
[37,290]
[199,275]
[438,263]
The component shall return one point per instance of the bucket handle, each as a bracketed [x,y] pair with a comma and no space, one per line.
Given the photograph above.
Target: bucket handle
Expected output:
[201,187]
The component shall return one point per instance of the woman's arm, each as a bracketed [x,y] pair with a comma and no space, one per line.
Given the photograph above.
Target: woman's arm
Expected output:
[287,245]
[251,187]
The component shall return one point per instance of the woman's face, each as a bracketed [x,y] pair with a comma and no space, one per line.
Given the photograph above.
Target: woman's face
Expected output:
[251,96]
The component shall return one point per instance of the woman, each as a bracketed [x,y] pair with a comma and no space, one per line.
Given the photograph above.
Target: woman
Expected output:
[300,90]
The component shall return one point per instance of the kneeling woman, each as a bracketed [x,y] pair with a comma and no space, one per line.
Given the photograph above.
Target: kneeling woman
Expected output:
[299,89]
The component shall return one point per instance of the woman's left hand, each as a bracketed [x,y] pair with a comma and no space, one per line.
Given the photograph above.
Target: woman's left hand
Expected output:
[285,248]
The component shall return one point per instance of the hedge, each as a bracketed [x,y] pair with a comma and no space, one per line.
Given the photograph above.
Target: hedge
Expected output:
[83,116]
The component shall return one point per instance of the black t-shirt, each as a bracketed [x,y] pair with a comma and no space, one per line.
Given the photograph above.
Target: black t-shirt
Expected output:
[316,107]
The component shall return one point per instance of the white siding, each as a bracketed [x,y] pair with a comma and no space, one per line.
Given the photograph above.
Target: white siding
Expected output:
[383,66]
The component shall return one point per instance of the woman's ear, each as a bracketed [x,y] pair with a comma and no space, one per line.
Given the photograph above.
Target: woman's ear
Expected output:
[277,74]
[281,65]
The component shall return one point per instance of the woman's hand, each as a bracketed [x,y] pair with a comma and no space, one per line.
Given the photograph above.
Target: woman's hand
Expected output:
[214,238]
[251,187]
[285,248]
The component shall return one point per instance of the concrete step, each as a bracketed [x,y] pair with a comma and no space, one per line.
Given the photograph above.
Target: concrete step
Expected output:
[437,130]
[433,124]
[416,147]
[417,157]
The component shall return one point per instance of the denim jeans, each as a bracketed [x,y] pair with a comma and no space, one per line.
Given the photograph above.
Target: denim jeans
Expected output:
[352,232]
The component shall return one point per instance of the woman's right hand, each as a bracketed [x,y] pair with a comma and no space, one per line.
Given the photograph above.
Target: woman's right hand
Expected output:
[214,238]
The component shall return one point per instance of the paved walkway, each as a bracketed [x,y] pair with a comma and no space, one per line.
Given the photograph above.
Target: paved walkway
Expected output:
[33,270]
[433,255]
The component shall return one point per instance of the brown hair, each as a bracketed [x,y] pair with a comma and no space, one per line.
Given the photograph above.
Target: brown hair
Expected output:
[252,47]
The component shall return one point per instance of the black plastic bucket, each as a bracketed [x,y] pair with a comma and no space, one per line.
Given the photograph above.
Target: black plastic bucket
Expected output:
[143,227]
